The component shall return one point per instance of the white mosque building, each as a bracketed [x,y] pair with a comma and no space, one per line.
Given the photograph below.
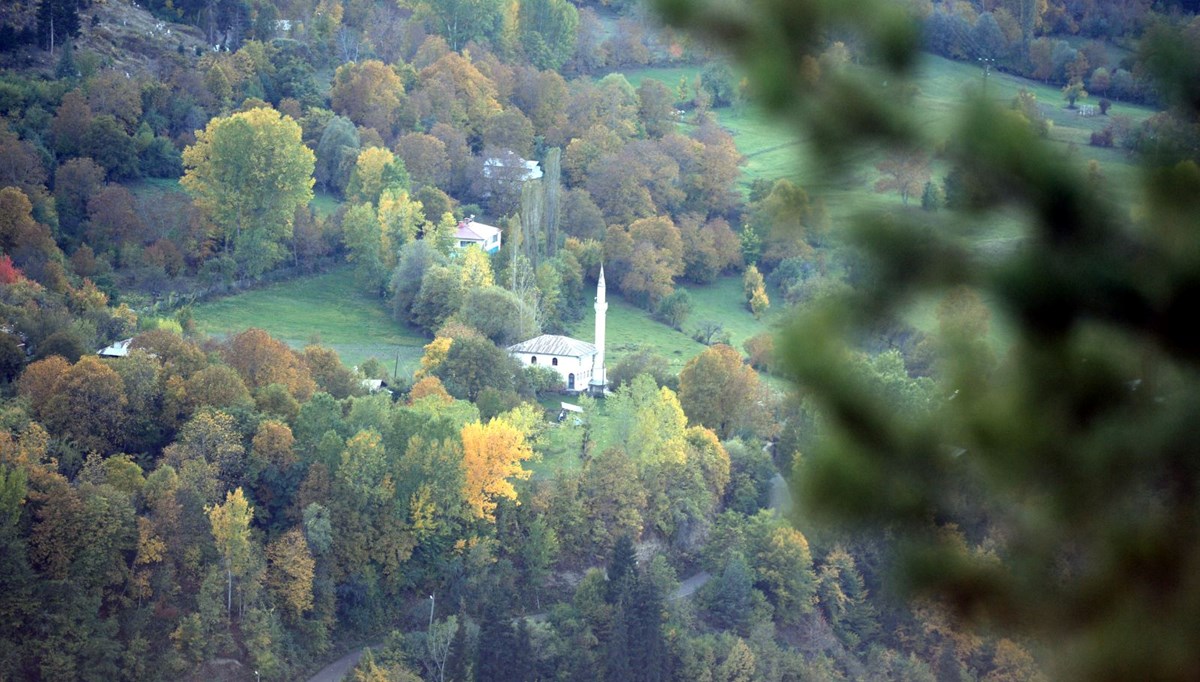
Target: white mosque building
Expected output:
[579,363]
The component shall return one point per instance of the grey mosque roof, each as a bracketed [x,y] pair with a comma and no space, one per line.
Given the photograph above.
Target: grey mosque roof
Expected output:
[551,344]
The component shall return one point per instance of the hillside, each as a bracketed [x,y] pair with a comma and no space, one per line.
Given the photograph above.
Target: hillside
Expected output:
[118,34]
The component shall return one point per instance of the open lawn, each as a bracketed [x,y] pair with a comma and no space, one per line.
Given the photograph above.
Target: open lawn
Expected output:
[328,309]
[631,329]
[723,301]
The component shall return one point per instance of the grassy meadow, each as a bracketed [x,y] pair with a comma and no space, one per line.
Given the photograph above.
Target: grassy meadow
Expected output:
[328,309]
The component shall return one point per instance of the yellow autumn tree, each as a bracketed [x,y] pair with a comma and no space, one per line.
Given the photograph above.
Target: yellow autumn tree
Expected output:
[429,387]
[375,170]
[290,571]
[151,550]
[231,530]
[476,269]
[435,354]
[400,217]
[492,454]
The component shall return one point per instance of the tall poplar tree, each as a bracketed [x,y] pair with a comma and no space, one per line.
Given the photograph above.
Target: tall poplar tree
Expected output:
[552,199]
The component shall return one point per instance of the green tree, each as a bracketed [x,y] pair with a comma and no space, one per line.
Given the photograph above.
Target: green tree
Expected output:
[440,296]
[656,107]
[1074,91]
[499,315]
[336,154]
[495,654]
[546,31]
[57,22]
[368,246]
[675,308]
[613,499]
[473,364]
[729,597]
[460,21]
[249,172]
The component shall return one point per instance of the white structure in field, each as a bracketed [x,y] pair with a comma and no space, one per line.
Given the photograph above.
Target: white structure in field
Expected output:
[579,363]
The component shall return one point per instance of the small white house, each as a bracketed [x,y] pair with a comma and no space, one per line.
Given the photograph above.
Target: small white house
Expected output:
[470,233]
[571,358]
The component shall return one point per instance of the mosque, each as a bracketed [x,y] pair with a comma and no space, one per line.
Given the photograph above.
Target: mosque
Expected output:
[579,363]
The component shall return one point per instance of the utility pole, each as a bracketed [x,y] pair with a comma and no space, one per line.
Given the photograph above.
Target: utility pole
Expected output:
[432,601]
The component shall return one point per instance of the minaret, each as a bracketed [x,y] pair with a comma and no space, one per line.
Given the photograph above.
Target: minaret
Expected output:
[599,380]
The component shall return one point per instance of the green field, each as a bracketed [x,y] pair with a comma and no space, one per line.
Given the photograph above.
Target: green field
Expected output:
[630,329]
[327,309]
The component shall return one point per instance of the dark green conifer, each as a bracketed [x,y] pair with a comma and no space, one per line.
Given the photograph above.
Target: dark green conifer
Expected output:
[622,566]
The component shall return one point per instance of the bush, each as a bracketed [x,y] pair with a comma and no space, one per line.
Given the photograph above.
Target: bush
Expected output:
[674,309]
[1102,138]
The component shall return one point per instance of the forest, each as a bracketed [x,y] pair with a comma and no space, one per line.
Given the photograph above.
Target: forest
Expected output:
[986,439]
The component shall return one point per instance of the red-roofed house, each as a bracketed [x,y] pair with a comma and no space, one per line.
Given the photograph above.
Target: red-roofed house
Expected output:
[485,237]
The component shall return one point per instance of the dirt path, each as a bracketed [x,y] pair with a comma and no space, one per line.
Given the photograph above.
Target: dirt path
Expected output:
[688,587]
[780,497]
[335,671]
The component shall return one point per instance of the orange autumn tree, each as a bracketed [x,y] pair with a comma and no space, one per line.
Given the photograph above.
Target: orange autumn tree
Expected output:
[492,454]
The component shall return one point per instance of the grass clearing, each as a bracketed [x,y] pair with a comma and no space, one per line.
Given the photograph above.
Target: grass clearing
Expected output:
[723,301]
[630,329]
[329,309]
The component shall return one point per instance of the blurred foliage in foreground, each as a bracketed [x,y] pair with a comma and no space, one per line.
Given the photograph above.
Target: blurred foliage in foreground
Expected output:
[1053,493]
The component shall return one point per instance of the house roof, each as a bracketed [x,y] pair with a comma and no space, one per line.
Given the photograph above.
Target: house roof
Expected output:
[532,171]
[119,349]
[471,230]
[550,344]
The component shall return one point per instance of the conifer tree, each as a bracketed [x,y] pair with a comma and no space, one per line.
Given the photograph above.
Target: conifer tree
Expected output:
[622,569]
[648,654]
[497,643]
[524,663]
[459,661]
[617,666]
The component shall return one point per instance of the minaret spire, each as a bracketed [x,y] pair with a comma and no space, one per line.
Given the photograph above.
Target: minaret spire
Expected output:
[599,380]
